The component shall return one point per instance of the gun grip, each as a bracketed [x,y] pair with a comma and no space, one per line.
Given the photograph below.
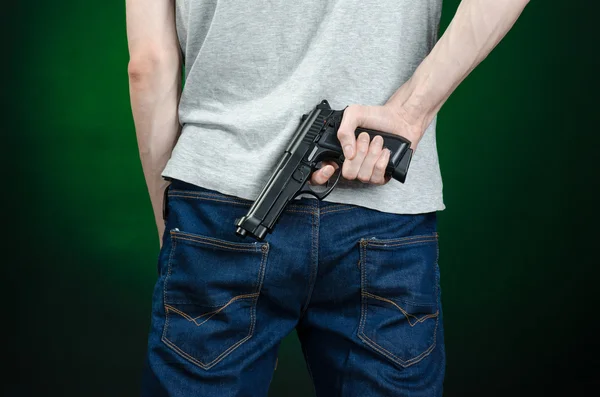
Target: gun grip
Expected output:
[399,173]
[400,152]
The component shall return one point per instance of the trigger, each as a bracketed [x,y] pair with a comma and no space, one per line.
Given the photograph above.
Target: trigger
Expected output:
[318,194]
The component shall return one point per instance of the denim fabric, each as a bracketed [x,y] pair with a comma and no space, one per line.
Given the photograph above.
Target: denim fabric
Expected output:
[361,287]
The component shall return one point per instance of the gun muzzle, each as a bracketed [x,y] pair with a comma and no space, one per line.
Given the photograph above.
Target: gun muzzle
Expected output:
[250,225]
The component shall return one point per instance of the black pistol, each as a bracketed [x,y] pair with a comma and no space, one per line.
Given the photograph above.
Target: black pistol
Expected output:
[314,141]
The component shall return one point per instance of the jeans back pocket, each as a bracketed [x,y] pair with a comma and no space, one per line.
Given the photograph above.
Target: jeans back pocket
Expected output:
[210,294]
[399,292]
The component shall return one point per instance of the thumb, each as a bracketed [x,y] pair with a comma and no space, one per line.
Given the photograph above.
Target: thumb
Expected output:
[345,133]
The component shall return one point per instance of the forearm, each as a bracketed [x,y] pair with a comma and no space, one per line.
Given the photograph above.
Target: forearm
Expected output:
[475,30]
[154,92]
[154,70]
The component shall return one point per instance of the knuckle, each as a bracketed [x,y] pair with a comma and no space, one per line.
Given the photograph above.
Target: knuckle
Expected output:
[349,175]
[343,136]
[364,178]
[380,166]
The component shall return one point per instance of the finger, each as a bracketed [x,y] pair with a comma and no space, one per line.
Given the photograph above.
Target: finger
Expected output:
[331,163]
[346,132]
[366,168]
[321,176]
[350,168]
[378,177]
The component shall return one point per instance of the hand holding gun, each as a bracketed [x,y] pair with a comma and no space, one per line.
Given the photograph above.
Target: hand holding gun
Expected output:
[315,141]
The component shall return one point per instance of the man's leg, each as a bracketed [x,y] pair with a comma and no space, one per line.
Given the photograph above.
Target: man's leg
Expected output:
[374,323]
[223,303]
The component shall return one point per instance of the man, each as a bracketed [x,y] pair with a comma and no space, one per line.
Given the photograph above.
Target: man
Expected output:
[356,274]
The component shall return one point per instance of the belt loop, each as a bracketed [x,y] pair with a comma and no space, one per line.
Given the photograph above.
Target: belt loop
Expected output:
[165,207]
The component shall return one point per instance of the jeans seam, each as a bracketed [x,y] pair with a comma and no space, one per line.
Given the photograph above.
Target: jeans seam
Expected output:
[314,266]
[165,287]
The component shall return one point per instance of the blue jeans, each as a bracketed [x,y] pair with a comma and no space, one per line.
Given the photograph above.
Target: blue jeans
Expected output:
[361,288]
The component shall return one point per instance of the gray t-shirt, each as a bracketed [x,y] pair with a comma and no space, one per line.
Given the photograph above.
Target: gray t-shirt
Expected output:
[252,68]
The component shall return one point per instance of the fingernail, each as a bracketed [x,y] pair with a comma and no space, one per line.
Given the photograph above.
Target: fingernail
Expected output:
[327,172]
[348,150]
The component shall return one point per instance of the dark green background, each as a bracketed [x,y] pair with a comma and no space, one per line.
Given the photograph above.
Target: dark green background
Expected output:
[519,150]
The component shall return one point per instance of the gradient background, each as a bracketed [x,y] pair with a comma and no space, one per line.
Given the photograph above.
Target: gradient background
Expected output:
[519,149]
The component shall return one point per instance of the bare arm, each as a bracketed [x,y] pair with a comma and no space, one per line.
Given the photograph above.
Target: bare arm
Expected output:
[475,30]
[155,87]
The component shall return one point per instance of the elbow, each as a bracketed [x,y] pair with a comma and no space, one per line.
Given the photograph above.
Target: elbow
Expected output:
[142,66]
[145,65]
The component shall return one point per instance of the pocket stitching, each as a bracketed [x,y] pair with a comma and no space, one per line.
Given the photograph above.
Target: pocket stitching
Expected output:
[400,244]
[200,364]
[406,314]
[220,309]
[220,357]
[391,356]
[195,238]
[364,310]
[401,240]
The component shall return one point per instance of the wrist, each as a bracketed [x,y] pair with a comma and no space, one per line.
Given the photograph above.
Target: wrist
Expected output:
[411,103]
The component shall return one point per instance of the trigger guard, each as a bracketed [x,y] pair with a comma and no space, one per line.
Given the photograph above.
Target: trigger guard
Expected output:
[307,189]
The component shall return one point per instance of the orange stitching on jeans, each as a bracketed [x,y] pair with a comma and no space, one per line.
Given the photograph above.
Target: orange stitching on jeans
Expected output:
[193,319]
[393,357]
[200,363]
[406,314]
[363,282]
[173,245]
